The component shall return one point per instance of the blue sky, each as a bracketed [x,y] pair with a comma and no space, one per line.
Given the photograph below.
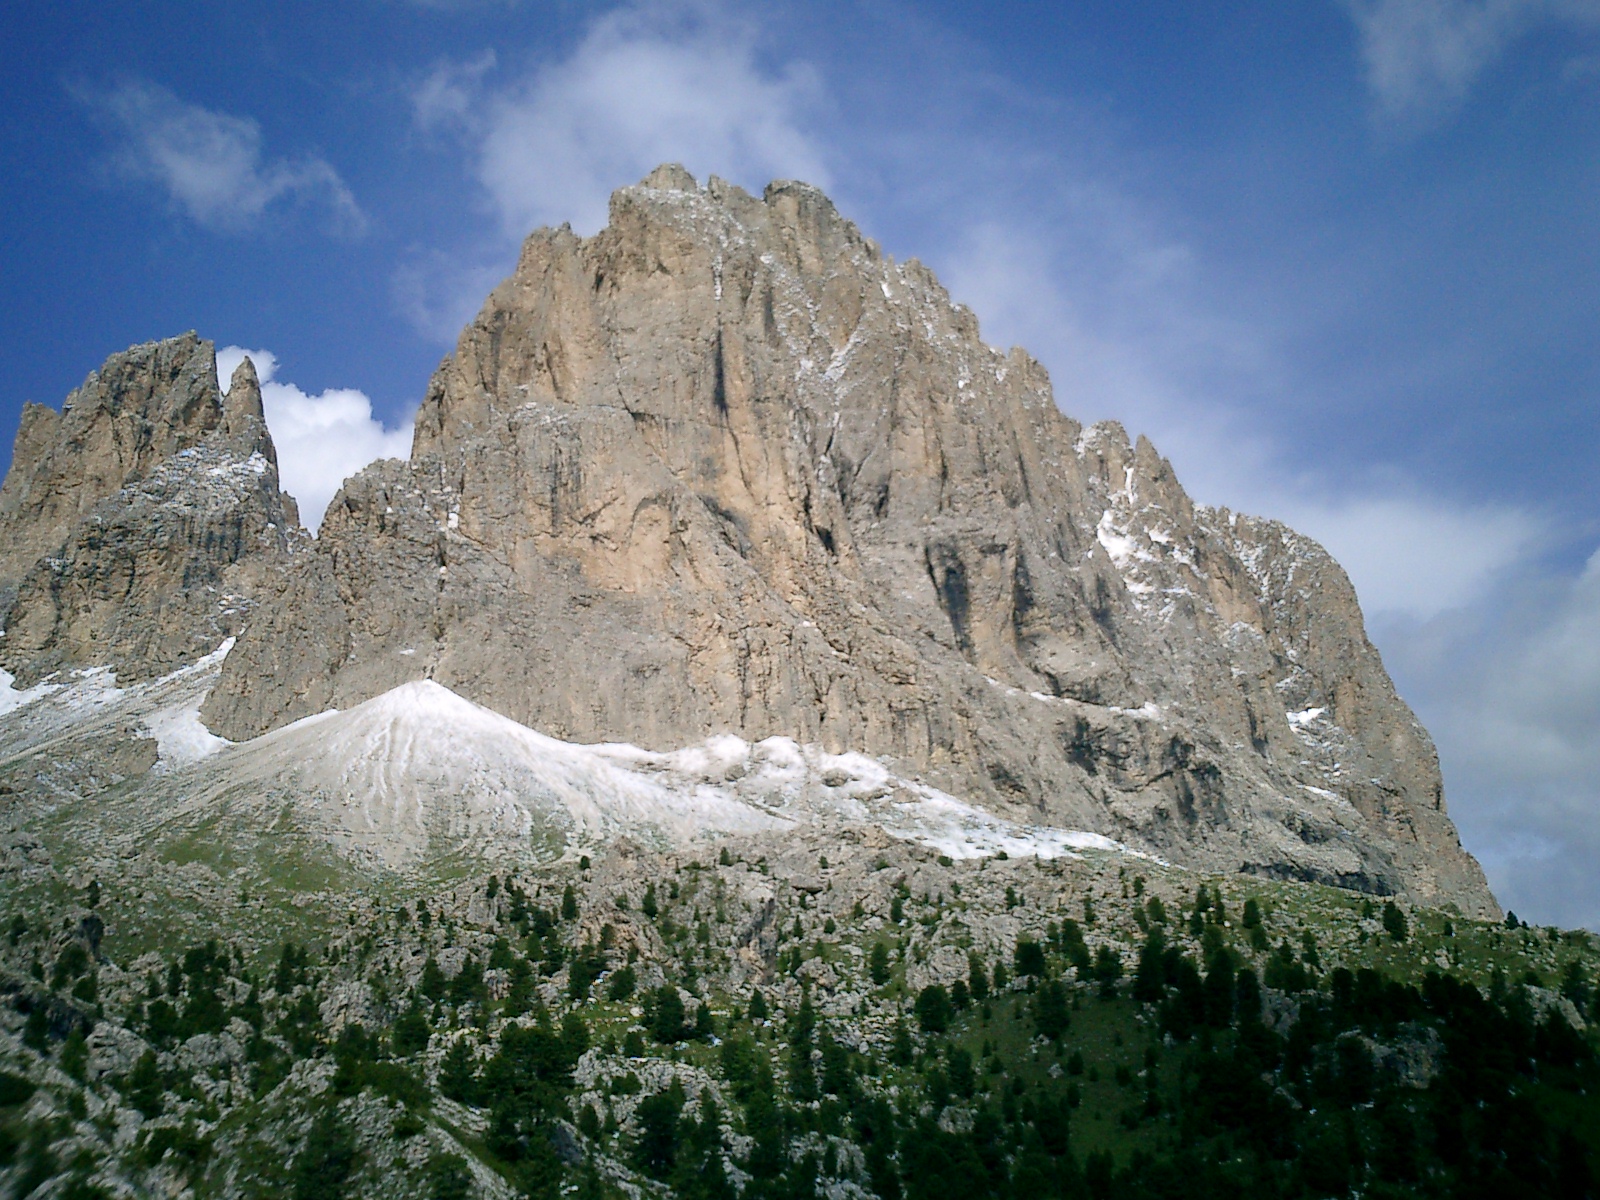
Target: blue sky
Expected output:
[1337,257]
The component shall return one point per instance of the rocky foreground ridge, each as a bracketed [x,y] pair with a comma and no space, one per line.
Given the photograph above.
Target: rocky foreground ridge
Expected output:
[725,468]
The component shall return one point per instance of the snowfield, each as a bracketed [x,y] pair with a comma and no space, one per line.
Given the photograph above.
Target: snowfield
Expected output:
[420,772]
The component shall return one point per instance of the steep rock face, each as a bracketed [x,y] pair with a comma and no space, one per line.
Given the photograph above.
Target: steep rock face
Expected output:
[725,467]
[136,523]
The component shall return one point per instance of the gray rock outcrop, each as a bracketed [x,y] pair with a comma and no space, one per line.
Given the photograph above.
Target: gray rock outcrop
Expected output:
[137,523]
[726,467]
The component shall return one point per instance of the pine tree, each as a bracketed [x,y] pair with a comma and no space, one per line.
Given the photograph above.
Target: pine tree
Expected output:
[143,1089]
[1107,969]
[1050,1013]
[933,1009]
[659,1121]
[75,1054]
[1394,921]
[977,976]
[324,1165]
[433,984]
[449,1178]
[1149,977]
[667,1022]
[1029,958]
[878,964]
[802,1031]
[900,1048]
[458,1076]
[36,1030]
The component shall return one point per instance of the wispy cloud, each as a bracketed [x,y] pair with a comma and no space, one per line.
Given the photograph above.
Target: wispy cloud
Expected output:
[321,440]
[1423,56]
[459,6]
[449,98]
[1412,554]
[439,293]
[644,86]
[547,143]
[211,164]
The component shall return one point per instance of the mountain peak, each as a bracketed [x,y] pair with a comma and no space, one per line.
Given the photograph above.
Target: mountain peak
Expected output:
[724,468]
[132,520]
[671,177]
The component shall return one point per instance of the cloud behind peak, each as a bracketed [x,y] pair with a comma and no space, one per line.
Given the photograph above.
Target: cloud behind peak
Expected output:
[641,88]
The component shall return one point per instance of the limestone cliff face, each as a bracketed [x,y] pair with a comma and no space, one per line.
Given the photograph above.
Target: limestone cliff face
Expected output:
[724,466]
[136,523]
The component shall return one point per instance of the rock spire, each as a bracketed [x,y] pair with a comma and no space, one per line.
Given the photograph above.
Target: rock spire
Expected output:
[137,523]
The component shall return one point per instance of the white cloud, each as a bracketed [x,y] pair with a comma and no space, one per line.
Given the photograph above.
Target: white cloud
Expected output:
[1511,692]
[644,86]
[322,440]
[445,100]
[1422,56]
[548,144]
[1544,708]
[210,164]
[1415,555]
[456,6]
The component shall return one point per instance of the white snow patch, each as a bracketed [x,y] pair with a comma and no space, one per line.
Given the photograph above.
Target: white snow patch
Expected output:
[1305,716]
[962,831]
[1119,546]
[420,761]
[200,665]
[181,737]
[92,687]
[256,464]
[1148,711]
[13,698]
